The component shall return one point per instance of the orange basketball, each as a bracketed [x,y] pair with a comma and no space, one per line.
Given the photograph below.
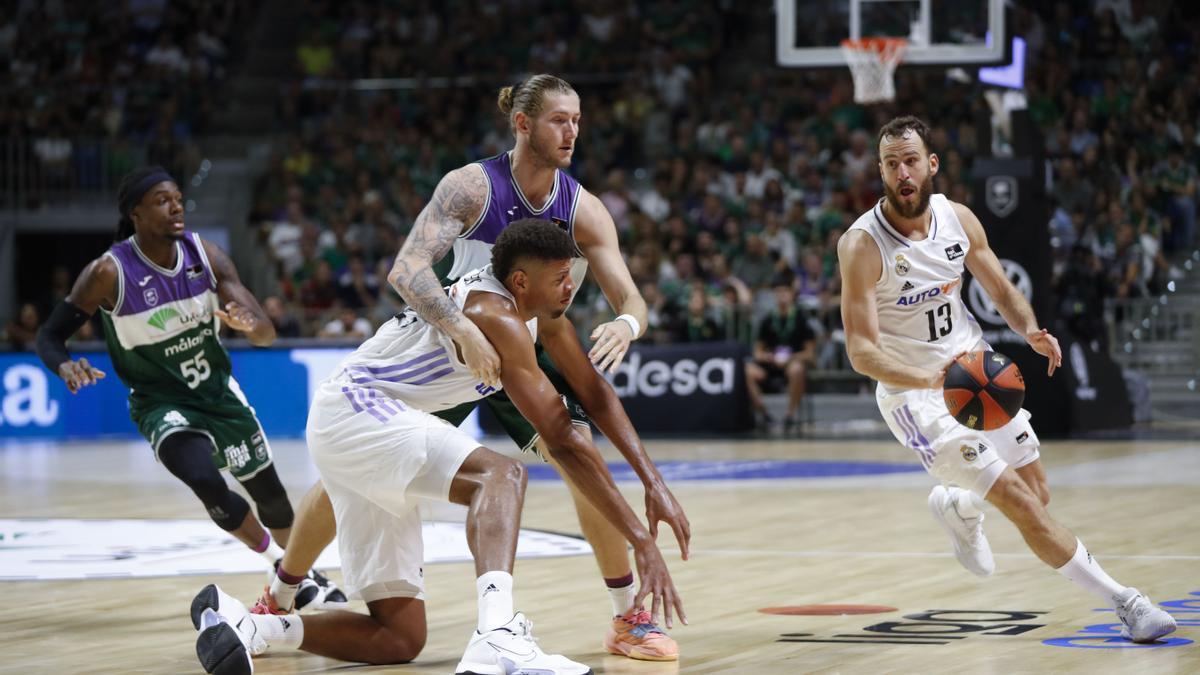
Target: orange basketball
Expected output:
[983,390]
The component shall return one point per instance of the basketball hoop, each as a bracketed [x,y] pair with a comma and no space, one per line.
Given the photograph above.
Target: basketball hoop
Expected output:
[873,62]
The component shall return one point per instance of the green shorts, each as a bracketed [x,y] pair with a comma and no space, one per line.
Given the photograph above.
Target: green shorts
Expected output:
[518,428]
[239,443]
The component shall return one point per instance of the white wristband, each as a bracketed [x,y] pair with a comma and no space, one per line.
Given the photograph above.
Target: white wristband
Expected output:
[632,323]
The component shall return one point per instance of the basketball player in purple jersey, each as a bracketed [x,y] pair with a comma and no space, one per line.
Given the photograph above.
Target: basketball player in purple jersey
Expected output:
[905,337]
[468,210]
[161,291]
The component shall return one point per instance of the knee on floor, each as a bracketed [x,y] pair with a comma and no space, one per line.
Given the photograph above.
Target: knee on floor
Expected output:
[398,648]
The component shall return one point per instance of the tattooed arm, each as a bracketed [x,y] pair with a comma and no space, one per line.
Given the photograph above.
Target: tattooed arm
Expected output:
[457,203]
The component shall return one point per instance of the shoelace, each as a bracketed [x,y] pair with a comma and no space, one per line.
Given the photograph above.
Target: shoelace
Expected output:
[642,620]
[266,604]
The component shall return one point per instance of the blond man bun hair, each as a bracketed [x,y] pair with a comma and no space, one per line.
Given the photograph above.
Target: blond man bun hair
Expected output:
[527,97]
[505,101]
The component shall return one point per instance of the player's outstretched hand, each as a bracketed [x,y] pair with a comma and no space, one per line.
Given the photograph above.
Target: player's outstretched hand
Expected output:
[479,354]
[79,374]
[656,582]
[661,505]
[1047,345]
[237,317]
[611,343]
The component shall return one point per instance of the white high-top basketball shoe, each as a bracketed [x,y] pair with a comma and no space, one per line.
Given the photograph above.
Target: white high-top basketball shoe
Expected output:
[228,635]
[1143,621]
[970,545]
[511,650]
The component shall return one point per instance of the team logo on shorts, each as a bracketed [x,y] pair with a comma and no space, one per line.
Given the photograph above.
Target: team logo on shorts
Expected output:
[902,266]
[175,418]
[260,448]
[238,455]
[970,452]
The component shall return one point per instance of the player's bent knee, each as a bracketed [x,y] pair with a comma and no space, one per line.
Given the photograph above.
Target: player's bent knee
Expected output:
[274,507]
[400,648]
[1014,497]
[276,513]
[228,513]
[403,630]
[516,474]
[508,474]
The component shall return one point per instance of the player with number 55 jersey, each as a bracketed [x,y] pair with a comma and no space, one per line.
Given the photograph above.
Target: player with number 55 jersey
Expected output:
[163,293]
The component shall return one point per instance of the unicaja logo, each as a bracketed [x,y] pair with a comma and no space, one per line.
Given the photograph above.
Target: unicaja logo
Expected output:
[160,318]
[655,378]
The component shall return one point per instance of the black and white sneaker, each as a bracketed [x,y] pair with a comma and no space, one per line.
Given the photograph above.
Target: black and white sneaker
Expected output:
[328,597]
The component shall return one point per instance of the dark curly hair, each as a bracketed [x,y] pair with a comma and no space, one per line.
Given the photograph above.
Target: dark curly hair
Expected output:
[899,125]
[530,238]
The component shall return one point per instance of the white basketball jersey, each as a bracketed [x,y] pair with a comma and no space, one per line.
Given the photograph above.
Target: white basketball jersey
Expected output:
[414,362]
[922,318]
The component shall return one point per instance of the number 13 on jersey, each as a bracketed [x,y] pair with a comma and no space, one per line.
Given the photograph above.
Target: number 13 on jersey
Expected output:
[940,321]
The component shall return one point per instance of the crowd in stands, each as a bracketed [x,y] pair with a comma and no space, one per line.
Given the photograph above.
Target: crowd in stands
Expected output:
[719,183]
[93,89]
[722,177]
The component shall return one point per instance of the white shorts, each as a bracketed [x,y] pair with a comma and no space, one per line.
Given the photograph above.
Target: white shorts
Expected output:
[377,458]
[951,452]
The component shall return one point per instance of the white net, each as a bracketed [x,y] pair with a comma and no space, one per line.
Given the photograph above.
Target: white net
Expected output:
[873,64]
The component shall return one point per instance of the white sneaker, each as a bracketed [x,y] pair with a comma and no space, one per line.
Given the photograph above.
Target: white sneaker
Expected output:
[511,650]
[970,545]
[1143,622]
[232,611]
[220,647]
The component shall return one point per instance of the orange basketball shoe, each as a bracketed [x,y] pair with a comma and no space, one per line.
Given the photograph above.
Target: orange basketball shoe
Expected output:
[267,605]
[635,635]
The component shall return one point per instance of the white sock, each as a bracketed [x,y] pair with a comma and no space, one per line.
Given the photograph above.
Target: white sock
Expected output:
[967,503]
[622,598]
[494,590]
[282,631]
[1086,572]
[272,552]
[283,592]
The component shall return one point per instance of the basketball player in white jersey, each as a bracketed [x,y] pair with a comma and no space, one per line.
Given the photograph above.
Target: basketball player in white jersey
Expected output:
[379,450]
[902,264]
[470,206]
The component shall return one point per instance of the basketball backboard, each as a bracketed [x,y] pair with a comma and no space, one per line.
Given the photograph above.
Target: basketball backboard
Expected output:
[939,32]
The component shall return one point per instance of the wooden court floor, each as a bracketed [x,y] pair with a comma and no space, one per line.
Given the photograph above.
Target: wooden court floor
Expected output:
[757,543]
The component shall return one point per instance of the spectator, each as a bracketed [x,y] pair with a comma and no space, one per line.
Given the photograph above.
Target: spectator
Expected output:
[320,292]
[785,345]
[357,289]
[697,324]
[779,240]
[1177,181]
[22,332]
[346,324]
[1125,270]
[286,325]
[755,266]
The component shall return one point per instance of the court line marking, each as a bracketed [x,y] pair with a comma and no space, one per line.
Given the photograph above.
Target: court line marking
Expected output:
[911,554]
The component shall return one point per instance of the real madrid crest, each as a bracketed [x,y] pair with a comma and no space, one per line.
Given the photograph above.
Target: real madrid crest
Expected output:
[969,453]
[901,264]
